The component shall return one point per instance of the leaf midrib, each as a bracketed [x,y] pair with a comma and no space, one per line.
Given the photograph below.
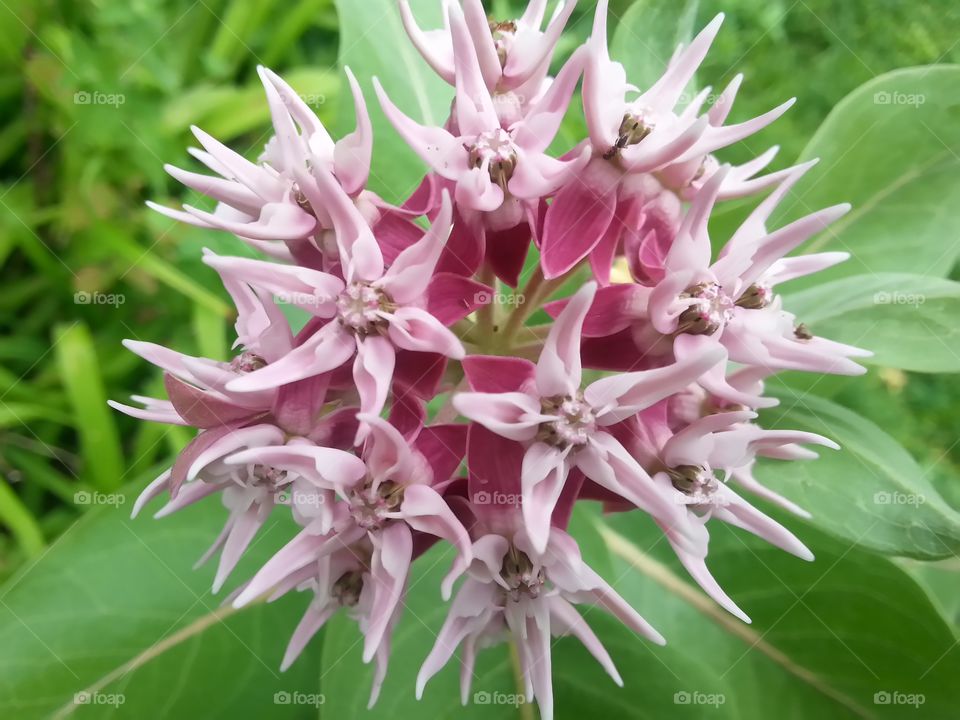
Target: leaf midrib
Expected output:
[664,576]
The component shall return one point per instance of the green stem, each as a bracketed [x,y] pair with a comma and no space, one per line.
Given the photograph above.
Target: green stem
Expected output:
[525,708]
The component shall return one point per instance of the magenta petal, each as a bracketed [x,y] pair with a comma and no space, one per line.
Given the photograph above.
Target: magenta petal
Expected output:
[395,233]
[408,413]
[506,251]
[496,373]
[203,409]
[451,297]
[579,216]
[444,447]
[419,373]
[494,464]
[464,250]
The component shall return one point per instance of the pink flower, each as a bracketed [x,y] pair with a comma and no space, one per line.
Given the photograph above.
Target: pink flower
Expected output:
[692,458]
[728,303]
[498,175]
[513,56]
[197,387]
[367,316]
[249,490]
[564,426]
[644,135]
[530,594]
[265,201]
[385,500]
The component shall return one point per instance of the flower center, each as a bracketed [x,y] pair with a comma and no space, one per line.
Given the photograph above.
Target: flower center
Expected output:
[360,309]
[370,505]
[247,362]
[694,481]
[634,127]
[710,310]
[521,577]
[575,421]
[756,297]
[347,589]
[503,34]
[496,148]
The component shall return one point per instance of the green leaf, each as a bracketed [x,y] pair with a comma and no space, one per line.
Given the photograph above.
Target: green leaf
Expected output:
[892,149]
[907,321]
[115,610]
[833,638]
[80,372]
[15,516]
[871,492]
[648,34]
[374,43]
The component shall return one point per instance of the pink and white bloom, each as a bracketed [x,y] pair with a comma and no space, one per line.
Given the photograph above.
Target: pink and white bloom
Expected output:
[513,55]
[498,175]
[644,135]
[563,425]
[692,459]
[367,316]
[513,590]
[729,303]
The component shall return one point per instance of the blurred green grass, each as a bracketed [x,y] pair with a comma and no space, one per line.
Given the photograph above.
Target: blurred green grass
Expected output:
[97,96]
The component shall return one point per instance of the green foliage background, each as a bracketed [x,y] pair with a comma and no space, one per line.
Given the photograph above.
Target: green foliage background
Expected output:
[74,175]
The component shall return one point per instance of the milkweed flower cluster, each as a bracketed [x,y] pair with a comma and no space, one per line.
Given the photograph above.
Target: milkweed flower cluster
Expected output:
[640,394]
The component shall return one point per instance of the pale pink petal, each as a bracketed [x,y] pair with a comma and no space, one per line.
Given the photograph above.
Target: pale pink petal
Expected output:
[327,349]
[559,370]
[415,329]
[373,372]
[513,415]
[352,154]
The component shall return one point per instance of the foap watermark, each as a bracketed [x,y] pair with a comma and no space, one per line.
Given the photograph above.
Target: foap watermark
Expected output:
[497,298]
[898,498]
[299,498]
[483,697]
[484,497]
[884,97]
[695,697]
[114,700]
[897,297]
[82,297]
[86,497]
[282,697]
[300,299]
[894,697]
[314,100]
[85,97]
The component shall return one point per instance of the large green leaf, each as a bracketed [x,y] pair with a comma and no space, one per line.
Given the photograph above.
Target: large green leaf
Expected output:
[907,321]
[892,149]
[871,492]
[848,635]
[114,608]
[374,43]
